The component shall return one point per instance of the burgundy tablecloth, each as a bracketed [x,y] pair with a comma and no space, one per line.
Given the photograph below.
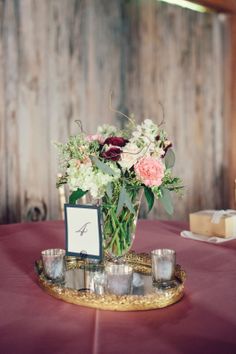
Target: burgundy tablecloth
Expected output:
[31,321]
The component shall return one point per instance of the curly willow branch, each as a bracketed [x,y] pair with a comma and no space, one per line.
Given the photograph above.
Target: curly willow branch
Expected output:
[80,125]
[115,111]
[163,114]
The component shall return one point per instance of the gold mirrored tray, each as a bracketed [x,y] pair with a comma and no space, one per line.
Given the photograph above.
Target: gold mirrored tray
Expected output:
[77,288]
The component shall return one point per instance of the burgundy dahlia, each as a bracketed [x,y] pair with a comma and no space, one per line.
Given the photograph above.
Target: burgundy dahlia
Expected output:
[116,141]
[112,154]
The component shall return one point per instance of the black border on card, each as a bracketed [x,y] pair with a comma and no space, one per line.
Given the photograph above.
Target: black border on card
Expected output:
[99,219]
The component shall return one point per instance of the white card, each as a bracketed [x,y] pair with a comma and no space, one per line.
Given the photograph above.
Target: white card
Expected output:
[83,231]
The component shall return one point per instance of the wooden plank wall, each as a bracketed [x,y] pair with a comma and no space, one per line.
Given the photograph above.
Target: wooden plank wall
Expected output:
[180,60]
[60,59]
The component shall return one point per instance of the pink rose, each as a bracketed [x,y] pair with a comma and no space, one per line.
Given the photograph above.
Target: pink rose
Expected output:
[95,137]
[150,171]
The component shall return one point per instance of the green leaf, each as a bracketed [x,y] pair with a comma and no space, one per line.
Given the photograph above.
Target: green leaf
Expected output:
[166,201]
[170,158]
[124,199]
[109,190]
[149,197]
[102,166]
[79,193]
[121,200]
[128,202]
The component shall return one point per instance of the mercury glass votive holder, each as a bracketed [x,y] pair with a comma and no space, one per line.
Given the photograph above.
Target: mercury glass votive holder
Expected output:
[99,283]
[54,264]
[119,278]
[94,277]
[163,266]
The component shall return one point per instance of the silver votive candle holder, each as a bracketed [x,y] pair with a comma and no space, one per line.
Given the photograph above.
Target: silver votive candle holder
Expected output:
[99,280]
[54,264]
[119,278]
[94,277]
[163,266]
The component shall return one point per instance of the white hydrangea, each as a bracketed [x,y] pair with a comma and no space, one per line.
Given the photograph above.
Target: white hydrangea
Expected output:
[115,169]
[143,138]
[107,130]
[86,177]
[147,132]
[158,152]
[151,149]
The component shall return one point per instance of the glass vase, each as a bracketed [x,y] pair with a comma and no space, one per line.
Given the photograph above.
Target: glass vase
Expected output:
[119,228]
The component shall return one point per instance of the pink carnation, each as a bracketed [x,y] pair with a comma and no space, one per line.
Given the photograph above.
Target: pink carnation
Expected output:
[150,171]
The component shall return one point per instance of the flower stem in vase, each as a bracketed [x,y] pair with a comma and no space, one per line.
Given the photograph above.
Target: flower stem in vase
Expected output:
[119,228]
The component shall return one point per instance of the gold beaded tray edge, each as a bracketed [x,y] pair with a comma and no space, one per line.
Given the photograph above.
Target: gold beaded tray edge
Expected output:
[141,263]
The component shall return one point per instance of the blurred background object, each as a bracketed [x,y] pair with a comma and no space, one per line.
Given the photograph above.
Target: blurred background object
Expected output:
[59,60]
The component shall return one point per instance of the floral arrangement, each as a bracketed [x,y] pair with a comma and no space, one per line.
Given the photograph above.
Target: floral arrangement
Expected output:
[114,166]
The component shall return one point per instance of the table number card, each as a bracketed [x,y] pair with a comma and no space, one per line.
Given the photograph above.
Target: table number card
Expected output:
[83,231]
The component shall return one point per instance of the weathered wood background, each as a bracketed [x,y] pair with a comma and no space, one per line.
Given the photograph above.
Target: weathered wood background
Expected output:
[59,59]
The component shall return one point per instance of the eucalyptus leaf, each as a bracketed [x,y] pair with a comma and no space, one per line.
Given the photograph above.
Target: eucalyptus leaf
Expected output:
[102,166]
[149,197]
[166,201]
[124,200]
[170,158]
[121,200]
[128,202]
[79,193]
[109,190]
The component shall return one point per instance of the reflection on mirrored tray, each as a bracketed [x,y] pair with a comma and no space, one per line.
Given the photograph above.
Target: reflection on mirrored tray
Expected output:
[95,281]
